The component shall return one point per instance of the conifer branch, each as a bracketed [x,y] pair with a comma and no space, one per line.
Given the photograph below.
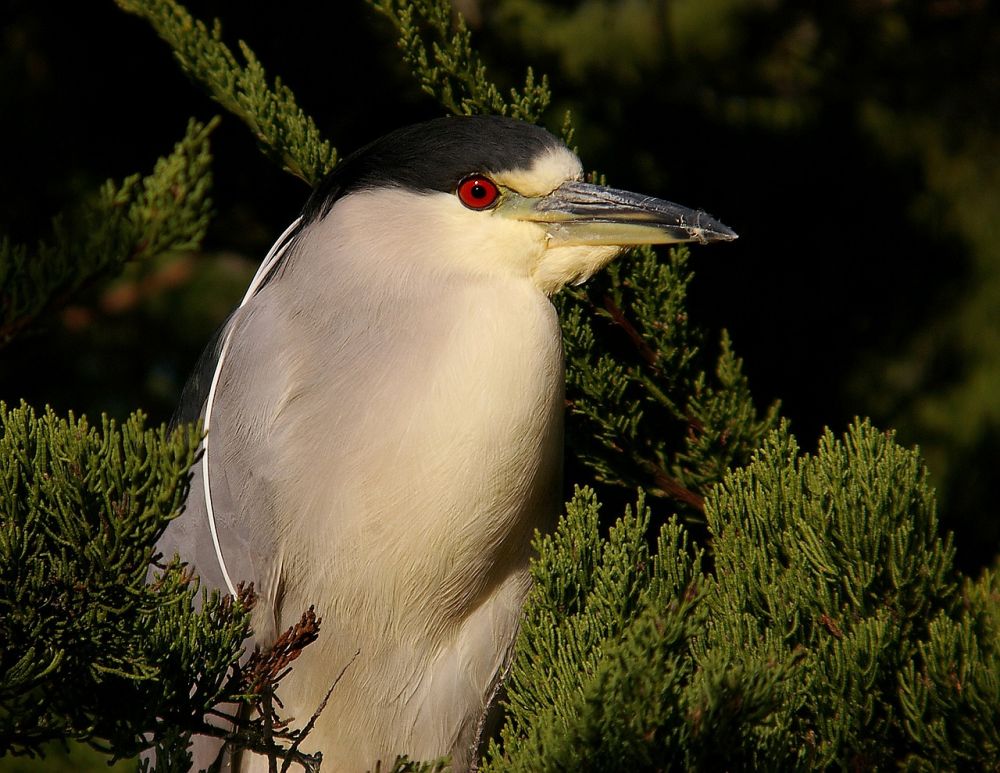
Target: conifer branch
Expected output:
[643,412]
[283,131]
[437,45]
[828,633]
[91,651]
[602,653]
[139,218]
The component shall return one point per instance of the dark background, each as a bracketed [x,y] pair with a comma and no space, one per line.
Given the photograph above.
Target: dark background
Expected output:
[854,148]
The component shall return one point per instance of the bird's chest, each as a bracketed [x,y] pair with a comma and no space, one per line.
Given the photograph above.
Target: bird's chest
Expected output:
[477,439]
[436,439]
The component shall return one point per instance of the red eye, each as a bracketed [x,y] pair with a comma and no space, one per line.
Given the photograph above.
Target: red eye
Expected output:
[478,192]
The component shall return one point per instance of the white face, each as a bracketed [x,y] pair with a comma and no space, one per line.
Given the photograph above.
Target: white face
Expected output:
[556,264]
[438,231]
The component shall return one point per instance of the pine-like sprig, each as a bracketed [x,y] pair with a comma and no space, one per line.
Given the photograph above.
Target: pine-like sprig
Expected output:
[830,566]
[138,218]
[828,634]
[437,45]
[91,651]
[283,131]
[643,411]
[950,692]
[600,608]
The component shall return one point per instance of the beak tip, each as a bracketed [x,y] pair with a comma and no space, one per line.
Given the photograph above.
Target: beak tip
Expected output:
[711,230]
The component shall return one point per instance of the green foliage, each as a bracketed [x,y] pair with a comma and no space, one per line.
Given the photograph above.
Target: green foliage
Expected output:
[725,427]
[831,564]
[950,693]
[284,132]
[140,218]
[828,634]
[91,651]
[600,608]
[440,54]
[643,411]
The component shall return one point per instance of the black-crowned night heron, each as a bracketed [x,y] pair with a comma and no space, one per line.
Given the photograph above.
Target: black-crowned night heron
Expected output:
[385,421]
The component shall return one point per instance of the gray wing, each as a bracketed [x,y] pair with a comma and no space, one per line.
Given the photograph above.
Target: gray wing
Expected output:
[192,403]
[219,543]
[248,554]
[190,535]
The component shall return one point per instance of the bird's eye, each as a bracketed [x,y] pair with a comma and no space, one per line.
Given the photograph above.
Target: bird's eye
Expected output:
[478,192]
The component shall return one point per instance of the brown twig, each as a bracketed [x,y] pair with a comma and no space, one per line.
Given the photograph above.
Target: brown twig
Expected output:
[268,717]
[673,488]
[647,352]
[618,317]
[831,625]
[270,667]
[294,748]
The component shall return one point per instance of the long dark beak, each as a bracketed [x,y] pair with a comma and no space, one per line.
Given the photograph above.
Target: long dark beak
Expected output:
[581,213]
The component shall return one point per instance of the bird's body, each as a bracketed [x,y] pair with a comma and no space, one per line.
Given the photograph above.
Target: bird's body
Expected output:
[470,468]
[386,436]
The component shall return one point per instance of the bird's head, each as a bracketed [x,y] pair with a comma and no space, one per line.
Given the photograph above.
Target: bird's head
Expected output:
[495,196]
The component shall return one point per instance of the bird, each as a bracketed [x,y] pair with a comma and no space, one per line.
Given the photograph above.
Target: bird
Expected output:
[383,420]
